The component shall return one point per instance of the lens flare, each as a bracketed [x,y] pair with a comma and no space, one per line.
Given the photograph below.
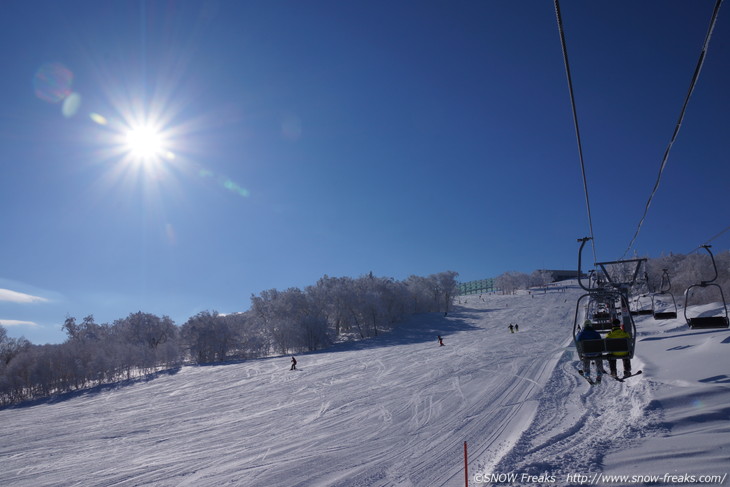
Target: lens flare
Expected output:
[71,105]
[225,182]
[52,82]
[100,119]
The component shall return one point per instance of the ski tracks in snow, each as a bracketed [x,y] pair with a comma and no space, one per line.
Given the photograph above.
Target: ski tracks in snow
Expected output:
[394,411]
[577,424]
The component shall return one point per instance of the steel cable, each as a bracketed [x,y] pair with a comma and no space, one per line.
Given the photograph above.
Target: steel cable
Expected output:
[575,122]
[692,85]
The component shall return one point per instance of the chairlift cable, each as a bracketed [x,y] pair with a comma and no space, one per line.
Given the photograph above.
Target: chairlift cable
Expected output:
[710,240]
[713,238]
[575,123]
[692,85]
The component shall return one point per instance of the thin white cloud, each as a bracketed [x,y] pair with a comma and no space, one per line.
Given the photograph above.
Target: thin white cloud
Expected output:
[17,323]
[16,297]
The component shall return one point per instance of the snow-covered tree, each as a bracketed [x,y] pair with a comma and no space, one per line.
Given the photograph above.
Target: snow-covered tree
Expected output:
[146,329]
[209,337]
[330,296]
[419,294]
[10,347]
[541,278]
[448,288]
[509,282]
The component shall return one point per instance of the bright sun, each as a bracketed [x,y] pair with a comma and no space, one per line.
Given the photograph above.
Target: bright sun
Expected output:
[145,143]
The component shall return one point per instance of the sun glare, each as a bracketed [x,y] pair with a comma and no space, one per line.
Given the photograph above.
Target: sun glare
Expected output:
[142,144]
[145,143]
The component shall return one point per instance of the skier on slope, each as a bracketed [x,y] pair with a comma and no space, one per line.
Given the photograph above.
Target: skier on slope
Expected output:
[589,333]
[511,328]
[617,332]
[441,341]
[293,363]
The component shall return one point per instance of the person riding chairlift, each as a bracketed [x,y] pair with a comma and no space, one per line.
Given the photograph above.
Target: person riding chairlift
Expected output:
[617,331]
[589,333]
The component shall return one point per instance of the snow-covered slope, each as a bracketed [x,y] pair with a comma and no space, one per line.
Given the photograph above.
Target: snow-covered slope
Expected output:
[396,410]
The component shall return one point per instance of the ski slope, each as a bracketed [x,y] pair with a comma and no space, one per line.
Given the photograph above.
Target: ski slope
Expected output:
[396,410]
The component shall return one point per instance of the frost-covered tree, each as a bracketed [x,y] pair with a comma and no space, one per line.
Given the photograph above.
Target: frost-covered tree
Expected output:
[367,304]
[87,330]
[146,329]
[684,271]
[147,340]
[418,293]
[509,282]
[10,347]
[209,337]
[329,295]
[541,278]
[294,320]
[448,288]
[268,309]
[251,340]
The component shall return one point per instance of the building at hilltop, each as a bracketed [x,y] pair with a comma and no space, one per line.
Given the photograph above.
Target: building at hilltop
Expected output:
[488,285]
[563,275]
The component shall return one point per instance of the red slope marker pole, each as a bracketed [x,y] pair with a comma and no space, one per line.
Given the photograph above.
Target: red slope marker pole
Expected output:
[466,468]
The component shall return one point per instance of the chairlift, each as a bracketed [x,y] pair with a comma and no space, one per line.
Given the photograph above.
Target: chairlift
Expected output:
[601,305]
[592,279]
[659,307]
[699,322]
[605,348]
[640,306]
[601,309]
[640,296]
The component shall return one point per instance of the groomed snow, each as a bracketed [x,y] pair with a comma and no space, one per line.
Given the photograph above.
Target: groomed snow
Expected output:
[396,411]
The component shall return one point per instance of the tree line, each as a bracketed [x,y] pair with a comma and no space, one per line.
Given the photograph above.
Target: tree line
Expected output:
[687,270]
[683,271]
[278,322]
[511,281]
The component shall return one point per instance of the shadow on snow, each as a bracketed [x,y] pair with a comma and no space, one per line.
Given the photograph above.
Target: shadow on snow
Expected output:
[420,328]
[91,391]
[694,333]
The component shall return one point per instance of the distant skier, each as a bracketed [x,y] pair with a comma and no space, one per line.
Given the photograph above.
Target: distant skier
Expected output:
[511,328]
[441,341]
[293,363]
[517,327]
[589,333]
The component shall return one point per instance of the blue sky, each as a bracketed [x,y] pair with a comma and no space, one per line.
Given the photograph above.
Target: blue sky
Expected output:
[326,137]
